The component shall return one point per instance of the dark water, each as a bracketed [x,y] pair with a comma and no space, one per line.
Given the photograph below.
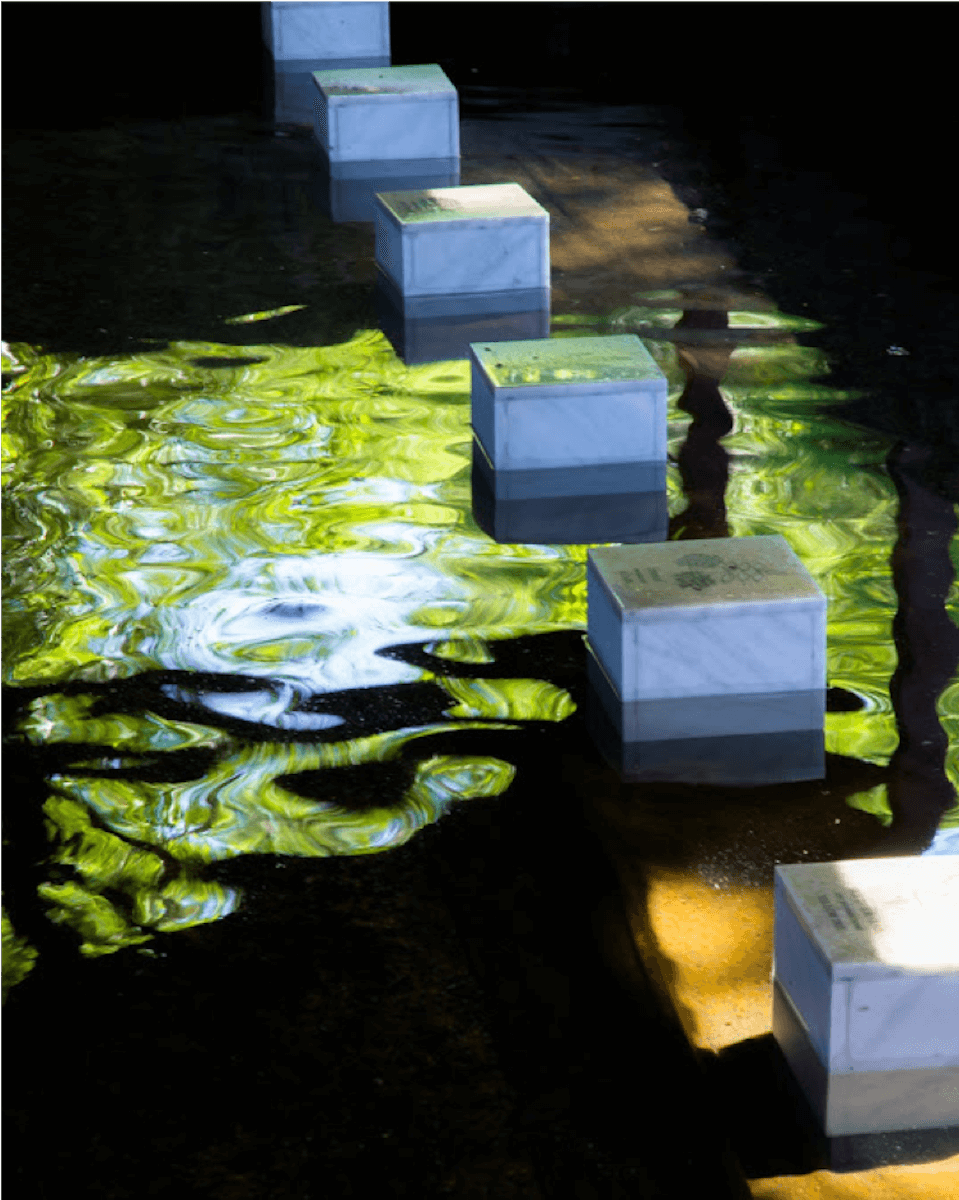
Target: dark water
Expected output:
[251,622]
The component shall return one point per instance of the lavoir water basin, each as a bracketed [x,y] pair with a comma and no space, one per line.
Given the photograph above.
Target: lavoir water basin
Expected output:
[315,876]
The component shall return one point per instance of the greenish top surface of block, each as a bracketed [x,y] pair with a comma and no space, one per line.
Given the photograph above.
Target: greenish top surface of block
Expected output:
[383,81]
[900,912]
[551,361]
[709,572]
[490,201]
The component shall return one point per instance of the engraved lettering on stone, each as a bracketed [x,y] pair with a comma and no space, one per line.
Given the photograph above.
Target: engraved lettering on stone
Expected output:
[850,913]
[427,204]
[830,911]
[635,577]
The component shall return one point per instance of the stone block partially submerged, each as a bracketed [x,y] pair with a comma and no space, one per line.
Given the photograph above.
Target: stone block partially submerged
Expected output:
[866,990]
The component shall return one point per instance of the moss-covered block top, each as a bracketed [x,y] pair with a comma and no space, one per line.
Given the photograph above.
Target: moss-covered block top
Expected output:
[488,201]
[384,81]
[725,572]
[552,361]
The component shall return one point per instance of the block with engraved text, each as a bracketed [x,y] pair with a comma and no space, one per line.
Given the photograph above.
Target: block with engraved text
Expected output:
[708,658]
[866,990]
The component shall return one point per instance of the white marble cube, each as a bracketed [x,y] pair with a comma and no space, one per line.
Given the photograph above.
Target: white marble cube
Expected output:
[708,638]
[866,997]
[490,240]
[591,403]
[340,34]
[367,114]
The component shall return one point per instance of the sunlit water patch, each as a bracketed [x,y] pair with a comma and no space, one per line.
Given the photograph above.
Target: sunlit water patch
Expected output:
[227,558]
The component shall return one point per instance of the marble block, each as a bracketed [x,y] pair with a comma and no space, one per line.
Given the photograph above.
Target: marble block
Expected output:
[587,402]
[718,621]
[373,113]
[573,506]
[492,239]
[866,996]
[299,32]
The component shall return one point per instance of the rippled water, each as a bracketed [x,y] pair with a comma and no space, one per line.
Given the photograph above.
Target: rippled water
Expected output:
[233,572]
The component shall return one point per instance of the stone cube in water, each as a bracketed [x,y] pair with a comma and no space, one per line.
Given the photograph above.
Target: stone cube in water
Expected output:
[451,250]
[352,33]
[708,658]
[369,114]
[866,990]
[593,406]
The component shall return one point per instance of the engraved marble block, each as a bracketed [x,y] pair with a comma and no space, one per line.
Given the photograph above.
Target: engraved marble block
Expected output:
[368,114]
[706,639]
[866,995]
[355,33]
[466,247]
[593,405]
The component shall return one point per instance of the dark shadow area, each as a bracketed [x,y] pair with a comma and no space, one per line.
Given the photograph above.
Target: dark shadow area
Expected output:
[122,240]
[330,1034]
[703,462]
[927,647]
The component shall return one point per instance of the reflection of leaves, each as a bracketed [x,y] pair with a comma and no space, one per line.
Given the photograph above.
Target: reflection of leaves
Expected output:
[875,801]
[18,957]
[509,699]
[141,803]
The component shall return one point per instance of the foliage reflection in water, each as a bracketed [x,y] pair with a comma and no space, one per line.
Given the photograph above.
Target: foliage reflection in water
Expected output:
[199,554]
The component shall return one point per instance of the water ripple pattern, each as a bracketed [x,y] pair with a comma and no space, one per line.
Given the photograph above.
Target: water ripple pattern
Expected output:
[207,564]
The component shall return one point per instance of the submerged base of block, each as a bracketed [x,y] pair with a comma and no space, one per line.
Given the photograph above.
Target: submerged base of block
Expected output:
[556,517]
[864,1102]
[459,304]
[599,480]
[437,339]
[707,716]
[749,760]
[346,191]
[687,755]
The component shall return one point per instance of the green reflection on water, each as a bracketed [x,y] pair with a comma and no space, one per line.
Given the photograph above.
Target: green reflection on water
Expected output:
[285,519]
[18,956]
